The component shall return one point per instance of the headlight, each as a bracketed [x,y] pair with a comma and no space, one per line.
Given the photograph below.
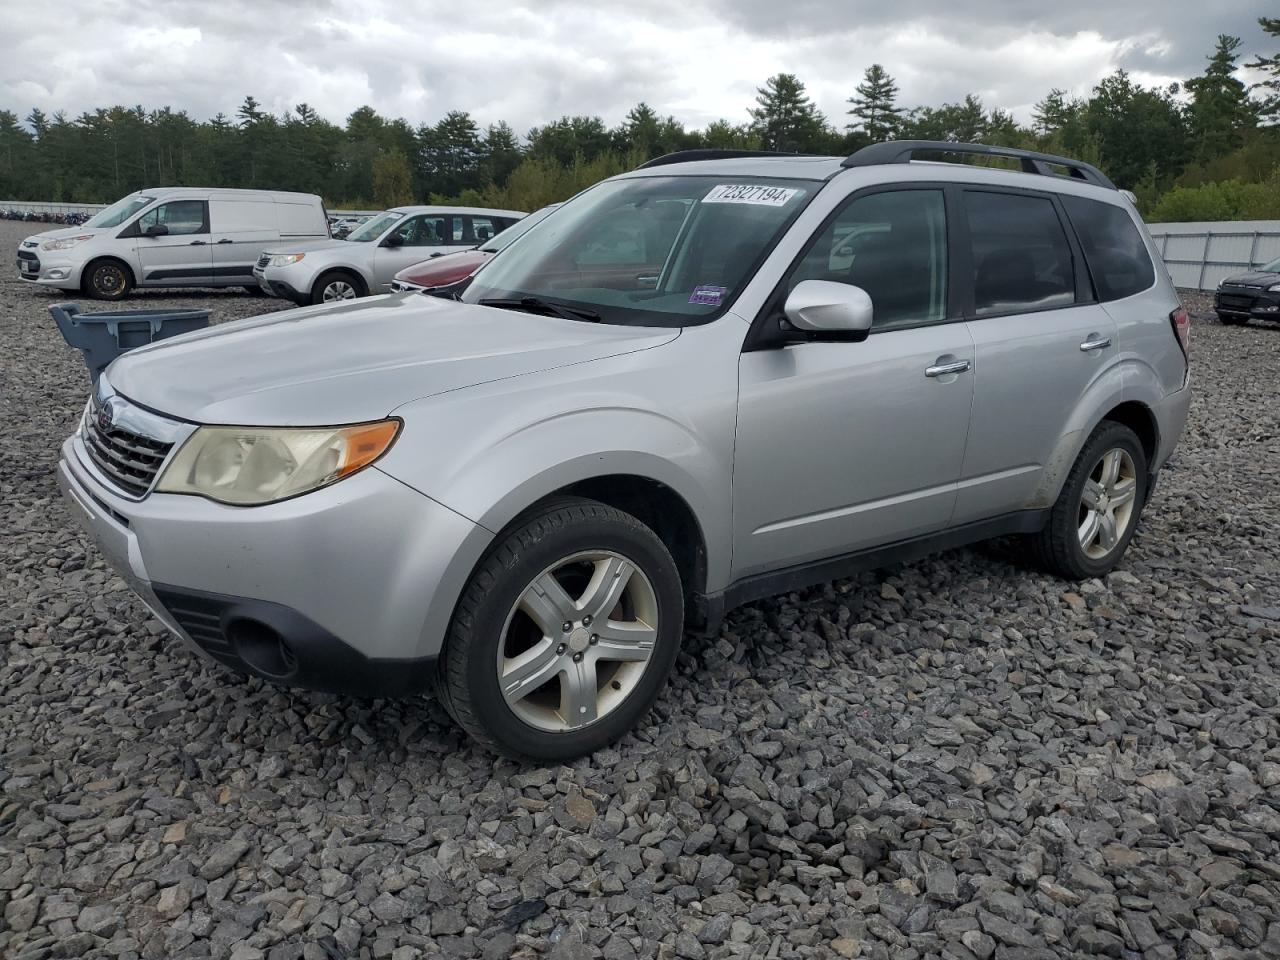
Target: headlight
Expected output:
[1274,288]
[66,243]
[254,465]
[284,259]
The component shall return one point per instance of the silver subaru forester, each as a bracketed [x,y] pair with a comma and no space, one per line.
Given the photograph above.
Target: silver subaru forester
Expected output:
[714,378]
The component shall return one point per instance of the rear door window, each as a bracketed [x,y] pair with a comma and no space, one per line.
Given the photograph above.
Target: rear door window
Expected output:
[1113,248]
[1021,255]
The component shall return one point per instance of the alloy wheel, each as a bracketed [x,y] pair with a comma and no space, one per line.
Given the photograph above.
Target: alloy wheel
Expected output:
[1107,503]
[577,641]
[338,290]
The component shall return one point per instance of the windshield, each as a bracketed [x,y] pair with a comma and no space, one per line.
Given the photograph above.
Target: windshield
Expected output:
[648,251]
[517,230]
[372,230]
[118,212]
[1272,267]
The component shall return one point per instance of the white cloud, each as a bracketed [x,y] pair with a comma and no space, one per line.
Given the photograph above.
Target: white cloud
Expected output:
[529,62]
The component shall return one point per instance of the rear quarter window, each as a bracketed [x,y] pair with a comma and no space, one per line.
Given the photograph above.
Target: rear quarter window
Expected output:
[1117,257]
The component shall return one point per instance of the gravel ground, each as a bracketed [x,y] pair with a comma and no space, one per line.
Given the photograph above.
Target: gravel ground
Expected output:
[955,758]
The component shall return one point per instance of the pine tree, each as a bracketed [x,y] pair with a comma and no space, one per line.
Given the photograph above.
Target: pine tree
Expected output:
[785,118]
[1220,107]
[875,105]
[1270,87]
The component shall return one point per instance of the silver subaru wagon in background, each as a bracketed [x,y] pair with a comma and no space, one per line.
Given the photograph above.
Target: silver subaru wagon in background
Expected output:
[716,377]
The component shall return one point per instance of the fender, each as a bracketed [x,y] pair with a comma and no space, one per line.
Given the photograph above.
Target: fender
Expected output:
[513,442]
[1108,391]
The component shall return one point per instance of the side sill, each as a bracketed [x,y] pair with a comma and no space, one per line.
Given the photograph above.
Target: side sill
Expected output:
[708,610]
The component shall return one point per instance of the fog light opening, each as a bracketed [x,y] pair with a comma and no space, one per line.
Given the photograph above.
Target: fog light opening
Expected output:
[262,649]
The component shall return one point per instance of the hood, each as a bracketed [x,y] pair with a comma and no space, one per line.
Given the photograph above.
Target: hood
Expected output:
[450,268]
[61,232]
[356,360]
[1255,278]
[306,246]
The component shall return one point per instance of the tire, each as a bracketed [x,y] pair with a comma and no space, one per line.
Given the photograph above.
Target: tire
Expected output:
[577,543]
[1229,321]
[1060,547]
[336,285]
[107,280]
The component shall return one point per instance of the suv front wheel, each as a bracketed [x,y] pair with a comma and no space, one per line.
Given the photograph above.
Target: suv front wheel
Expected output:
[1097,511]
[565,634]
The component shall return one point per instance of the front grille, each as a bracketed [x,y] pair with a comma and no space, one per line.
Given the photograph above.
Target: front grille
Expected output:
[263,261]
[129,459]
[1235,302]
[26,255]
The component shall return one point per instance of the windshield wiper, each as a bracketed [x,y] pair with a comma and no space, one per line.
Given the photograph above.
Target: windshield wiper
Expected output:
[532,304]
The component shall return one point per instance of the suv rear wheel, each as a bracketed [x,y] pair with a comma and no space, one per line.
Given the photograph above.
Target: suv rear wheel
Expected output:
[565,633]
[1097,512]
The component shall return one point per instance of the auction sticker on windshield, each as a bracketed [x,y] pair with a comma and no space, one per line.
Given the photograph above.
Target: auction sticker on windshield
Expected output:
[750,193]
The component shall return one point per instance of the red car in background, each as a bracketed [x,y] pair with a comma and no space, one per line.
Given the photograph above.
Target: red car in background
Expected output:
[443,269]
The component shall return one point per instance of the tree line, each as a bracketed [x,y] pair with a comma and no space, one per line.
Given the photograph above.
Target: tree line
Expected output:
[1205,149]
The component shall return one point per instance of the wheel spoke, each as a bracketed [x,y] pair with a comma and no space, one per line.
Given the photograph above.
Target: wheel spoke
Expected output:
[1092,494]
[629,641]
[602,594]
[1107,535]
[1089,529]
[1124,491]
[1110,469]
[578,693]
[529,671]
[546,602]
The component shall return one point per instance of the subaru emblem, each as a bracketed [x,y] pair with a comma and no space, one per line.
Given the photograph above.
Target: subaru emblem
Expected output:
[104,416]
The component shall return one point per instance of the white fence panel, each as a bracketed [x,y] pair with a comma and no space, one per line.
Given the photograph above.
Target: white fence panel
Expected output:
[1200,254]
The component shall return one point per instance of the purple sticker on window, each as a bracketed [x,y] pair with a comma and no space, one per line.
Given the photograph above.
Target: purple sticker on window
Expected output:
[708,295]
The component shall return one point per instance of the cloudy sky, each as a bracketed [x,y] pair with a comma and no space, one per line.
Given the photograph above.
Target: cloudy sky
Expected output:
[533,60]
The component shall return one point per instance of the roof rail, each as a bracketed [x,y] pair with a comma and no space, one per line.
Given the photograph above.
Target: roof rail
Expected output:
[692,156]
[900,151]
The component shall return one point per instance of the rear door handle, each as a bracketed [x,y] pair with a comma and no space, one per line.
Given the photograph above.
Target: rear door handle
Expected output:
[197,243]
[1095,342]
[226,240]
[944,369]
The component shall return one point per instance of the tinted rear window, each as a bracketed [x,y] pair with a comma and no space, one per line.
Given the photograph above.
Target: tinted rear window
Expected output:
[1021,257]
[1117,257]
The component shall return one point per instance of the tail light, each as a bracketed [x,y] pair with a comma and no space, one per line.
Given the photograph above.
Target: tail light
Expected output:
[1182,330]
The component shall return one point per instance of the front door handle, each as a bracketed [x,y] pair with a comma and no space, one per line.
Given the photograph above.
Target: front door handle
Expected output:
[197,243]
[945,369]
[226,240]
[1095,342]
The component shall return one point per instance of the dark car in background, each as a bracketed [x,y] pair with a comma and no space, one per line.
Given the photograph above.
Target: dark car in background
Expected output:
[1253,295]
[440,270]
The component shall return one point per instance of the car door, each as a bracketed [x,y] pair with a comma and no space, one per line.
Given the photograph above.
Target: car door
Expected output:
[841,445]
[1040,341]
[173,244]
[411,241]
[241,230]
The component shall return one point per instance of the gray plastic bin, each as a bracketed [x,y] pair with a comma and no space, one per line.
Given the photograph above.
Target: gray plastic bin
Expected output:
[102,337]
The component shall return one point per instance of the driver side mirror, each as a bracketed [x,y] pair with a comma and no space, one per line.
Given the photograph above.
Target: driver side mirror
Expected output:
[839,310]
[156,230]
[393,240]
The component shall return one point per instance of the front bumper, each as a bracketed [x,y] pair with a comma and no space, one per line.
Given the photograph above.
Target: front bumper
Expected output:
[50,269]
[292,282]
[358,579]
[1254,302]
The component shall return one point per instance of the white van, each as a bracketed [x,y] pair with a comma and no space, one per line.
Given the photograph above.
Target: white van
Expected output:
[171,237]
